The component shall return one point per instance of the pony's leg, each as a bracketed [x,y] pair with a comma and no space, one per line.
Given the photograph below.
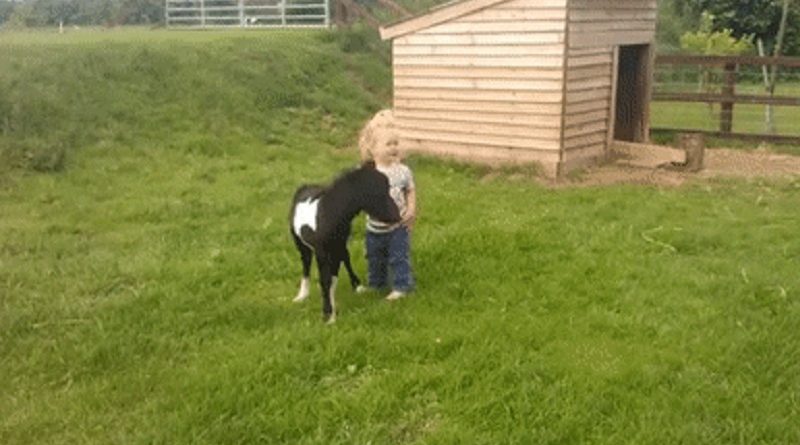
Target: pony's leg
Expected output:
[326,281]
[337,261]
[354,281]
[332,318]
[305,256]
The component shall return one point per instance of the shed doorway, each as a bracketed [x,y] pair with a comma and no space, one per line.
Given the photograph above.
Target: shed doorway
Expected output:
[633,93]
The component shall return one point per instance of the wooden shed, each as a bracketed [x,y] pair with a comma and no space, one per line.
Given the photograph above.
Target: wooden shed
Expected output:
[553,81]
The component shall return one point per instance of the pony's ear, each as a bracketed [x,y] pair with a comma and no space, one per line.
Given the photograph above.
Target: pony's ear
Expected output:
[368,164]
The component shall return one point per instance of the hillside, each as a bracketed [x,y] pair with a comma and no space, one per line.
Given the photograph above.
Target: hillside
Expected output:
[189,91]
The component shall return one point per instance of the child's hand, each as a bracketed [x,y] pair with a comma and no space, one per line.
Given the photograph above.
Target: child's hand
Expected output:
[410,214]
[409,218]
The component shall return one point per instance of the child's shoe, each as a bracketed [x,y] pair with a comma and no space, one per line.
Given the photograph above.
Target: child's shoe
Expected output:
[395,295]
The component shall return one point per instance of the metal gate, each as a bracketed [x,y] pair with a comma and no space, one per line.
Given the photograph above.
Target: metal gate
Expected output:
[246,13]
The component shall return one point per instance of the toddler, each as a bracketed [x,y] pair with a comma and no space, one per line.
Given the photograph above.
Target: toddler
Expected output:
[389,245]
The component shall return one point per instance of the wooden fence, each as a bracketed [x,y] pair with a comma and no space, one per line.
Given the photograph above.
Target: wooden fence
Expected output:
[276,13]
[246,13]
[729,70]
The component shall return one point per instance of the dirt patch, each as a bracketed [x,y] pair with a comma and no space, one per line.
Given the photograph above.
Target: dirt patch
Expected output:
[651,165]
[750,163]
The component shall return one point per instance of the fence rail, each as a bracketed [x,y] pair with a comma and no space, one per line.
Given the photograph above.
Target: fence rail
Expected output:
[246,13]
[729,85]
[722,98]
[789,62]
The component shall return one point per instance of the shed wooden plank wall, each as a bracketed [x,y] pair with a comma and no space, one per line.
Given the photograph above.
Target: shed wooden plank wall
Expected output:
[595,27]
[596,23]
[486,85]
[587,110]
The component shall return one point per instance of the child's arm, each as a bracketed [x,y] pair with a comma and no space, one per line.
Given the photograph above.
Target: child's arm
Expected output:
[410,216]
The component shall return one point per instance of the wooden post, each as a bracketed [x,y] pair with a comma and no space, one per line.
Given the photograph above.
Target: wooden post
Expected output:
[694,145]
[612,111]
[649,73]
[726,108]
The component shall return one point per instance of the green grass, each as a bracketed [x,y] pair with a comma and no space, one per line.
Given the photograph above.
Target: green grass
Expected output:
[146,286]
[193,91]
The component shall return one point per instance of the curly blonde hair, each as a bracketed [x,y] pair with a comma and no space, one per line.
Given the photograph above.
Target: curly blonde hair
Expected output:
[378,139]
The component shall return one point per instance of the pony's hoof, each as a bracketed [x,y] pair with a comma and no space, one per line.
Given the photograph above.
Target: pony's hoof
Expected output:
[299,299]
[329,319]
[361,289]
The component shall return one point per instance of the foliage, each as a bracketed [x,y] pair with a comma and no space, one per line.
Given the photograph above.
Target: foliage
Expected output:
[674,20]
[715,43]
[6,9]
[88,12]
[759,18]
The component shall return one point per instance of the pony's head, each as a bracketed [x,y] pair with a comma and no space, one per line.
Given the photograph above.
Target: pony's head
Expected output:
[375,198]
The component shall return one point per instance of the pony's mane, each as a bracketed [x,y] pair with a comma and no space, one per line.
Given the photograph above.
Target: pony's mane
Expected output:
[350,173]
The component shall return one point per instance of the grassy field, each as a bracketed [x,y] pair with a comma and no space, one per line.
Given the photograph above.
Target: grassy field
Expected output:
[746,118]
[146,278]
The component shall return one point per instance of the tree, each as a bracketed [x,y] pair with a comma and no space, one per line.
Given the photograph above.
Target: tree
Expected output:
[139,11]
[674,19]
[87,12]
[44,12]
[770,79]
[709,42]
[6,9]
[760,18]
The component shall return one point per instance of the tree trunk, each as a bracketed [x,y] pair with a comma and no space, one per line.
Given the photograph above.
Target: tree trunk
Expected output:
[773,76]
[769,116]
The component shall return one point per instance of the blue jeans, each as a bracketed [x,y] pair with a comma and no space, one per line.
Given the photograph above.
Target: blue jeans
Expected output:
[390,251]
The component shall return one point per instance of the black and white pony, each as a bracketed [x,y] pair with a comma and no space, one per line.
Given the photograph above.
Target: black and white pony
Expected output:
[320,223]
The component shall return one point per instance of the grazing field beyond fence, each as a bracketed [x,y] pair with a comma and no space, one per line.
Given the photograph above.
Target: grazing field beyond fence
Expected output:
[728,96]
[146,279]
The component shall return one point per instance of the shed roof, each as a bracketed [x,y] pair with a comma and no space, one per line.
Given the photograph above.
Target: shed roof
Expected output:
[434,16]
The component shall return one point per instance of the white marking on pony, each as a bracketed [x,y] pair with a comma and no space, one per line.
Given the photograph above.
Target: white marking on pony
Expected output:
[305,214]
[302,294]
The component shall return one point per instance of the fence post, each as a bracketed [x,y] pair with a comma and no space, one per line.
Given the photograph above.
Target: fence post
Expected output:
[694,145]
[726,108]
[283,12]
[241,13]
